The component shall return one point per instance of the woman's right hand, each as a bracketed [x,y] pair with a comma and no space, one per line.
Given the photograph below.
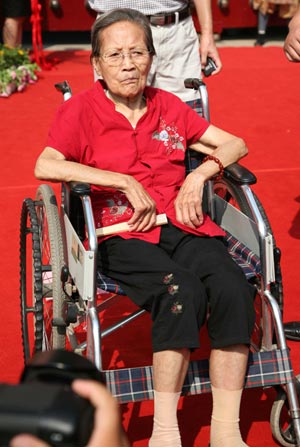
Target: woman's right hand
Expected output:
[52,166]
[144,216]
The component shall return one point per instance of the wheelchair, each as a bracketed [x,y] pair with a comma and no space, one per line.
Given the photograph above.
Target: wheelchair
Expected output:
[63,295]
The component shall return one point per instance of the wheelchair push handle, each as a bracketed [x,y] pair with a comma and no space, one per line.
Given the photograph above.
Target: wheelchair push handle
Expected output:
[194,83]
[64,88]
[200,86]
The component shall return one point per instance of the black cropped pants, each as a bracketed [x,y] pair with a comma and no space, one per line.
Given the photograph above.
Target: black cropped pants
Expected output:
[182,281]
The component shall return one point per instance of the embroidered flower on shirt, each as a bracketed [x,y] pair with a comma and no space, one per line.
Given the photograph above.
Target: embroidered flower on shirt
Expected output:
[117,207]
[169,135]
[108,211]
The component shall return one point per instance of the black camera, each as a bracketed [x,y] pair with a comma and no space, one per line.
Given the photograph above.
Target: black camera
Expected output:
[43,403]
[209,67]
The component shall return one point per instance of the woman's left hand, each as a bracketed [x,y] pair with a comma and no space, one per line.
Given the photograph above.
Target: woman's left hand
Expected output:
[188,203]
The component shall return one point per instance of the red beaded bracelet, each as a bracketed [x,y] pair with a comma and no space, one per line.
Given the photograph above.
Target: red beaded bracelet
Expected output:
[216,160]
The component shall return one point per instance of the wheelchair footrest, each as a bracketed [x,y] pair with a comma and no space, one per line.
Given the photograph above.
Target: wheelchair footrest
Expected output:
[265,369]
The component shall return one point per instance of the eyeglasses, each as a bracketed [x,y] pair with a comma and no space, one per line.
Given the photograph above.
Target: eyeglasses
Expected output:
[115,58]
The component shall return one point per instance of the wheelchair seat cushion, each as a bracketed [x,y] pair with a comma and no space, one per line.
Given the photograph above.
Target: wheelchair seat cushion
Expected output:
[243,256]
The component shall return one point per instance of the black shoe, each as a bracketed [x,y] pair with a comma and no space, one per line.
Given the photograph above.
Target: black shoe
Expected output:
[292,330]
[260,41]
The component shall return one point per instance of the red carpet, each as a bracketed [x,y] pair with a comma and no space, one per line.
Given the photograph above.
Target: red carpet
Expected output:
[256,96]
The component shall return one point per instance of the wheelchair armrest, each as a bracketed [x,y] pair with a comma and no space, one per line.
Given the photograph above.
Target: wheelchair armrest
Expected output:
[239,174]
[234,172]
[79,189]
[73,193]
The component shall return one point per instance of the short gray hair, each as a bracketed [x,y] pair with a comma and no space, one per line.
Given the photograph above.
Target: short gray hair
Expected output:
[120,15]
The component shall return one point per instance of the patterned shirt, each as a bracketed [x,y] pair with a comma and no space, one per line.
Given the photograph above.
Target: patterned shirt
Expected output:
[144,6]
[87,129]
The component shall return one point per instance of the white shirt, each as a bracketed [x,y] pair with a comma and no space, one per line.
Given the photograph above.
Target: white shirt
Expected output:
[144,6]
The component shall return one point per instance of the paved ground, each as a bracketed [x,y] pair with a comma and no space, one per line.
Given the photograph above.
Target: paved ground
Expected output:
[247,42]
[59,41]
[242,42]
[221,44]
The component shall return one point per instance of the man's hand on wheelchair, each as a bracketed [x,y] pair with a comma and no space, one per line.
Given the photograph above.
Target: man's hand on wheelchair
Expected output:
[188,203]
[107,431]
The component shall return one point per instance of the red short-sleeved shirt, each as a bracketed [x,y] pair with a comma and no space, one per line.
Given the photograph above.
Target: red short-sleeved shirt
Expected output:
[87,129]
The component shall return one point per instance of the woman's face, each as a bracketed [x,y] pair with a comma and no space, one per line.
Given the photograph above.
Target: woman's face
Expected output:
[124,62]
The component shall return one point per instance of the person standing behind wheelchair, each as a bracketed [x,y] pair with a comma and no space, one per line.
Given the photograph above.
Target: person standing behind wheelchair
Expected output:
[15,13]
[128,140]
[178,53]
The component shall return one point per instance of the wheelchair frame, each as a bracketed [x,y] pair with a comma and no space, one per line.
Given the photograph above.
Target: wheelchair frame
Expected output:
[64,286]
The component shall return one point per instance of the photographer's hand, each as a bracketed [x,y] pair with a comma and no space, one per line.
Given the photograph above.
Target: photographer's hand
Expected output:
[27,441]
[108,430]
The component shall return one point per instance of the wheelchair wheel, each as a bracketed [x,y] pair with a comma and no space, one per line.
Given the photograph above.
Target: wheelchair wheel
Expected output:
[280,420]
[42,301]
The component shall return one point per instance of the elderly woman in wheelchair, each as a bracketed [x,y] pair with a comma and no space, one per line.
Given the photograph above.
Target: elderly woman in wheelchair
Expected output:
[129,142]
